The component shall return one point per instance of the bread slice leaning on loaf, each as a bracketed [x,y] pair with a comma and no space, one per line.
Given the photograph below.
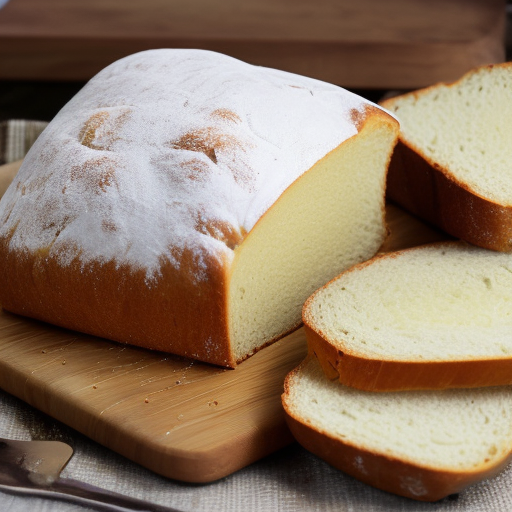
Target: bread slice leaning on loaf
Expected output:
[188,202]
[424,445]
[453,163]
[431,317]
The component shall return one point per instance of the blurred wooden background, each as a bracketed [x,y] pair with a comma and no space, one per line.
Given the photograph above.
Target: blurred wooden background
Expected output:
[367,45]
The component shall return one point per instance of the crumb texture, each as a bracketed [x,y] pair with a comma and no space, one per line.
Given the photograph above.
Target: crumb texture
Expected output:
[328,220]
[436,303]
[459,430]
[465,128]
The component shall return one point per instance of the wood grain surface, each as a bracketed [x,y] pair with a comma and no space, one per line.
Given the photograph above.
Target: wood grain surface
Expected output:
[364,44]
[182,419]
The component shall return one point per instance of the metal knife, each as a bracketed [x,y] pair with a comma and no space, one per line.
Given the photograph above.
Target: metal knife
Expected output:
[33,467]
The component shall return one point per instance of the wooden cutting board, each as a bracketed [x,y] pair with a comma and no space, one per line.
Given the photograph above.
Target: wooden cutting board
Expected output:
[182,419]
[363,44]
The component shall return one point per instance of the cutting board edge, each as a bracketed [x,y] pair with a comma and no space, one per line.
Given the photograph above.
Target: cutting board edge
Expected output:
[123,436]
[200,466]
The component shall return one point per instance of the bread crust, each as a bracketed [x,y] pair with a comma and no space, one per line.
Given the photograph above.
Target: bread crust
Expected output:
[378,375]
[429,191]
[391,474]
[364,373]
[117,302]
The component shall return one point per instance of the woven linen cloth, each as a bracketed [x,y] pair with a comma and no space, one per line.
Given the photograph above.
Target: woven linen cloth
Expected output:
[16,137]
[290,480]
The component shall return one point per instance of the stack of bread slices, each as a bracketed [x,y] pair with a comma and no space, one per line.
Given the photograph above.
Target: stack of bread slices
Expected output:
[407,383]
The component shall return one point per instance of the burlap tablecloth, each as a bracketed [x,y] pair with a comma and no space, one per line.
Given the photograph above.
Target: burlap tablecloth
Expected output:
[291,480]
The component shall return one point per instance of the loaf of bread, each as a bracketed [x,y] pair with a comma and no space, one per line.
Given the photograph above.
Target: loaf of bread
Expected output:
[452,165]
[188,202]
[424,445]
[432,317]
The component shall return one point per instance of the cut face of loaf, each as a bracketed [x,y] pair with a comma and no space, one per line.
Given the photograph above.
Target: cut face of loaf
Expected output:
[452,166]
[337,205]
[188,202]
[437,316]
[424,445]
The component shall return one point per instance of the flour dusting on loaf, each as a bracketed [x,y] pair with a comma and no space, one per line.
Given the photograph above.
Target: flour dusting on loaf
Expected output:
[208,140]
[133,207]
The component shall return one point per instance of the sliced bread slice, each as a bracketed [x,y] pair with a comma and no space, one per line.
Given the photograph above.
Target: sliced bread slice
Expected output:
[452,166]
[431,317]
[423,445]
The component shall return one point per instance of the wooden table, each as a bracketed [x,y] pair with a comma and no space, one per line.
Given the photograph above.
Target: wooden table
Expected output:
[359,44]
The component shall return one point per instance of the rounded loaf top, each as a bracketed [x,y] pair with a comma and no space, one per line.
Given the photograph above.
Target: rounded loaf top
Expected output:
[171,150]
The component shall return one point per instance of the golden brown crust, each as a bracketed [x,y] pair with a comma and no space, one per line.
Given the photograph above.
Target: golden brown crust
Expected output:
[378,375]
[430,192]
[359,118]
[119,303]
[384,472]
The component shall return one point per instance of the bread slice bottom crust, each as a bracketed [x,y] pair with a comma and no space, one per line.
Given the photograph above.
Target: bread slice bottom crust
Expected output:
[380,375]
[394,474]
[428,191]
